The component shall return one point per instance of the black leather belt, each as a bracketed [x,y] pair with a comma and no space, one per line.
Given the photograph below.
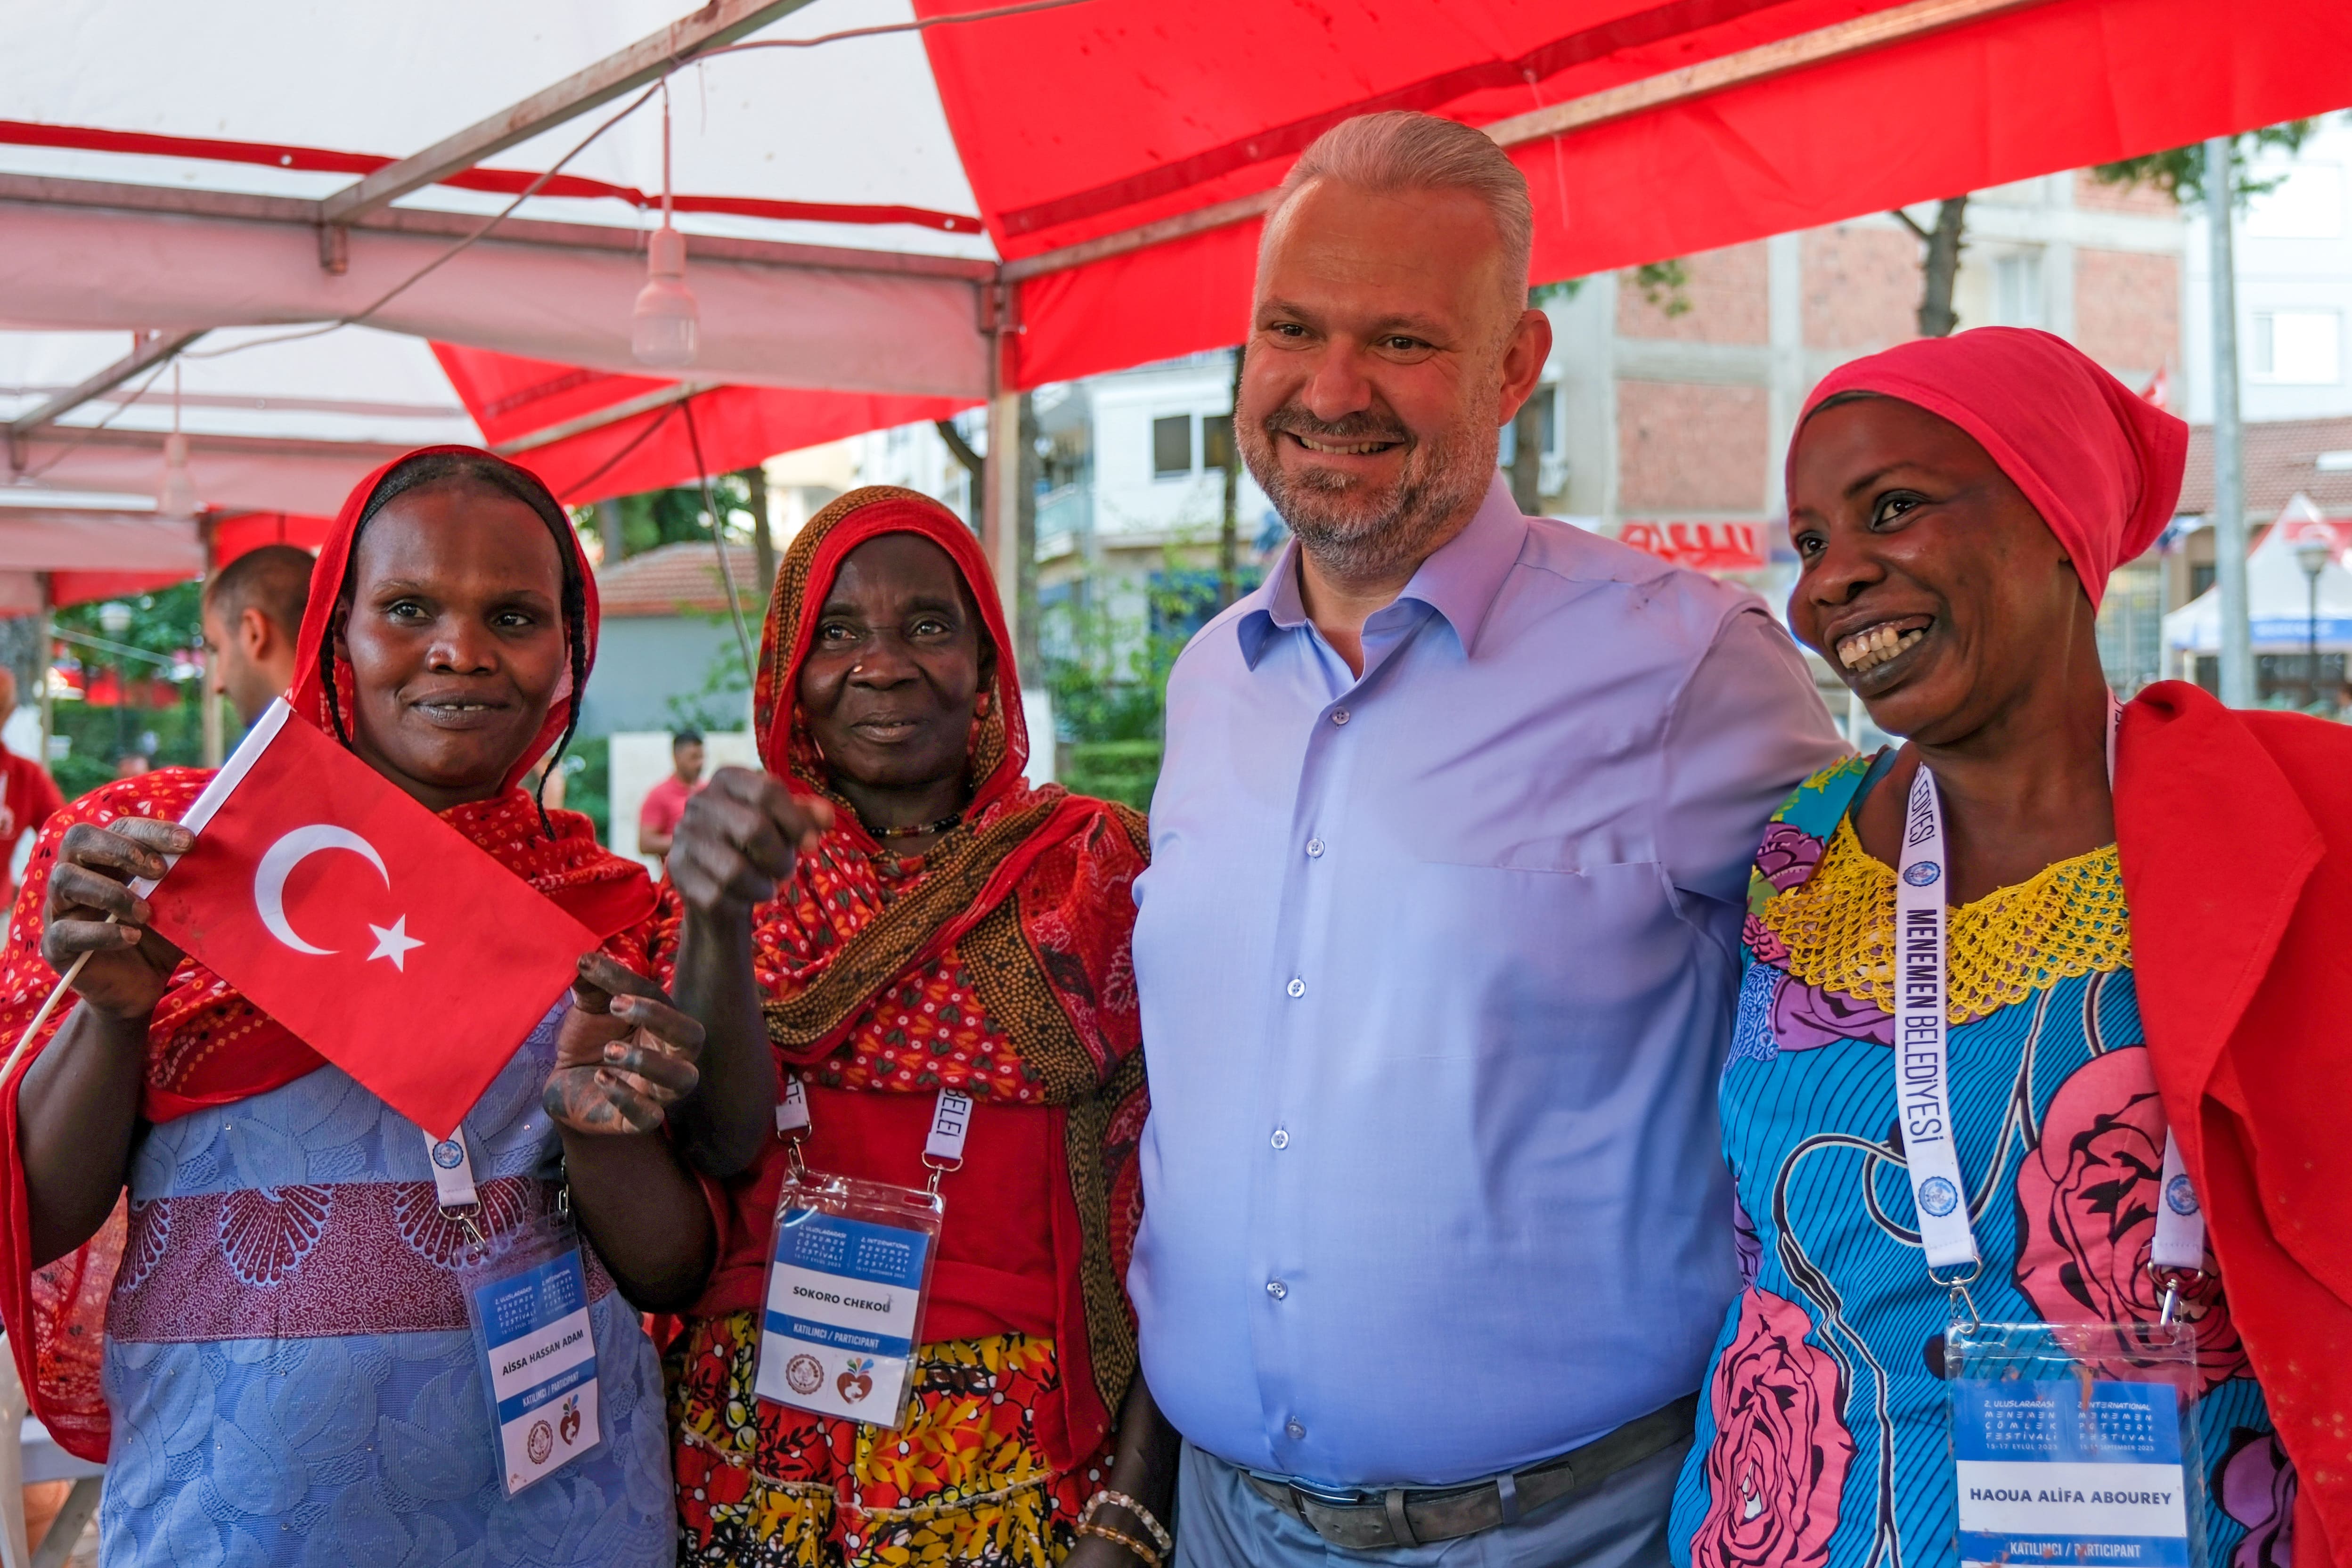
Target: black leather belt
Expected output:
[1365,1520]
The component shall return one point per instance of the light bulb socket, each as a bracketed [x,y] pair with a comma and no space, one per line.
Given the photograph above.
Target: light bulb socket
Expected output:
[666,328]
[665,253]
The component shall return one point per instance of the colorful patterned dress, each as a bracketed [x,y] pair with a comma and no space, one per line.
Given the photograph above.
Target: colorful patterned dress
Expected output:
[1823,1428]
[971,1477]
[287,1363]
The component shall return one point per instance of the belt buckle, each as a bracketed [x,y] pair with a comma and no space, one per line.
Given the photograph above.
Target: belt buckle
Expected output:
[1332,1497]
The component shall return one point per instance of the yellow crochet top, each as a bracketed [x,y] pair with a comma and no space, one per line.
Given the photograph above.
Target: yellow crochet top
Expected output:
[1839,928]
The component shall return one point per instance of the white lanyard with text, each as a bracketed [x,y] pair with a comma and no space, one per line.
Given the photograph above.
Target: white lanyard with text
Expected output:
[1923,1065]
[942,1148]
[527,1303]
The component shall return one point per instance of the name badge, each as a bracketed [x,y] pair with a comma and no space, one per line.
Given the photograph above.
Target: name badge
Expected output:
[530,1324]
[2080,1471]
[848,1274]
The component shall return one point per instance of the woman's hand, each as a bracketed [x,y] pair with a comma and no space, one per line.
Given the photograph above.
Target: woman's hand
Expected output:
[130,966]
[625,1056]
[740,838]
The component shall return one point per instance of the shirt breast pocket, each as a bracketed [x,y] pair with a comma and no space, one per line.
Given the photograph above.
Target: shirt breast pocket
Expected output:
[1563,954]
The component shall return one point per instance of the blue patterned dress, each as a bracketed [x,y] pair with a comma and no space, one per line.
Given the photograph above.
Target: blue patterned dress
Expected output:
[288,1363]
[1822,1426]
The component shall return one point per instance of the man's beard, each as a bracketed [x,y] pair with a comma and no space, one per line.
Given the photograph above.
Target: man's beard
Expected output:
[1356,530]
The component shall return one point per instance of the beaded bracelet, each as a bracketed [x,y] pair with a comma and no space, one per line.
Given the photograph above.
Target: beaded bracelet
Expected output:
[1143,1516]
[1143,1554]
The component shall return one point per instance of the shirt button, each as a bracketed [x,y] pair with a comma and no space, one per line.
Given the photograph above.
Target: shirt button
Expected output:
[1281,1137]
[1338,715]
[1315,849]
[1297,987]
[1276,1288]
[1293,1430]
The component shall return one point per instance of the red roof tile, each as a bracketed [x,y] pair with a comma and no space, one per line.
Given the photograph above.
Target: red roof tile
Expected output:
[673,579]
[2280,458]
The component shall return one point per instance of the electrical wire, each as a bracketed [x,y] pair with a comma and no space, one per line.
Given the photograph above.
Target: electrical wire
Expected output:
[445,257]
[718,541]
[922,26]
[660,86]
[29,475]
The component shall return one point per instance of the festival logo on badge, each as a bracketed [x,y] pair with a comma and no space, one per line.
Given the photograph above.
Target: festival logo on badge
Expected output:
[569,1427]
[1939,1196]
[1922,873]
[804,1372]
[856,1382]
[540,1443]
[2181,1195]
[448,1154]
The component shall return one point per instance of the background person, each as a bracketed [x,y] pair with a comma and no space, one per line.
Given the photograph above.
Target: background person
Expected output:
[887,911]
[666,802]
[280,1336]
[1435,948]
[252,611]
[28,795]
[2162,956]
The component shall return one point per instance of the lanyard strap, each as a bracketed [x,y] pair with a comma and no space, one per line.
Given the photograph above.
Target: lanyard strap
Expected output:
[943,1146]
[453,1170]
[1923,1060]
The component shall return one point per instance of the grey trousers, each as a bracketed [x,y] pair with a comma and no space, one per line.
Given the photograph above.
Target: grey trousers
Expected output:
[1223,1522]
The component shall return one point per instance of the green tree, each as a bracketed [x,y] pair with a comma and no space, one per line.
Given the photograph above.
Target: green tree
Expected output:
[165,632]
[2180,172]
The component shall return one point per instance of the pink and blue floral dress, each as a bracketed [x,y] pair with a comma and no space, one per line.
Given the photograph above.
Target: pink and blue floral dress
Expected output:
[1822,1425]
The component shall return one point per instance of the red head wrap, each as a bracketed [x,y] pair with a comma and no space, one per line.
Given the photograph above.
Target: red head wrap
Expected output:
[307,697]
[2100,464]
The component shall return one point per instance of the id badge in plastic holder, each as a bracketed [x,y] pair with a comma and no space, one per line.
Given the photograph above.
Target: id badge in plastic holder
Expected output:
[848,1276]
[2069,1441]
[528,1302]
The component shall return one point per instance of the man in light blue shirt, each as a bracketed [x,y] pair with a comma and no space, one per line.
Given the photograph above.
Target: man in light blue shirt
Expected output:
[1439,942]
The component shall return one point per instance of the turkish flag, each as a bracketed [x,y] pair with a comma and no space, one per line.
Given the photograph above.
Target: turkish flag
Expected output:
[383,938]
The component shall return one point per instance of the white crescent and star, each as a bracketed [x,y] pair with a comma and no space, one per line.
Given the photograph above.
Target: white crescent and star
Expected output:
[391,942]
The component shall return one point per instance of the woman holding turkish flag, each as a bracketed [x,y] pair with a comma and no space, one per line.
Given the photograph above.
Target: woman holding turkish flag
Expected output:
[270,1346]
[920,937]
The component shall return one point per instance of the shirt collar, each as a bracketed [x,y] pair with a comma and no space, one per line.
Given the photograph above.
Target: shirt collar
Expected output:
[1459,580]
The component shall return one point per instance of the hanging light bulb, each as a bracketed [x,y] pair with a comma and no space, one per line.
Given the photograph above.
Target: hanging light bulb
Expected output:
[177,500]
[667,323]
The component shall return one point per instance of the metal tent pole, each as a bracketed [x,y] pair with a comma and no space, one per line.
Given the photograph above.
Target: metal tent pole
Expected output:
[2229,475]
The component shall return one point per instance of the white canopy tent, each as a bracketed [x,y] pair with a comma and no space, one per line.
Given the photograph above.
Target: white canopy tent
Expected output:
[2280,591]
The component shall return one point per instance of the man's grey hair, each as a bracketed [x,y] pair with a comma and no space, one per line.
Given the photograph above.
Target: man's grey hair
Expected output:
[1402,150]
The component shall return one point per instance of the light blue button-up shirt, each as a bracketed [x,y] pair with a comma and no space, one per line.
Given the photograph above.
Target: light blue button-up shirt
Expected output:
[1437,970]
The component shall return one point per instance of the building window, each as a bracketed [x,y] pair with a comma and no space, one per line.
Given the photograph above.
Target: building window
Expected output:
[2307,202]
[1172,446]
[2017,290]
[2296,348]
[1216,441]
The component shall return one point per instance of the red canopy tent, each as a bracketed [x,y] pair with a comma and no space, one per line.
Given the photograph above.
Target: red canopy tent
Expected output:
[976,197]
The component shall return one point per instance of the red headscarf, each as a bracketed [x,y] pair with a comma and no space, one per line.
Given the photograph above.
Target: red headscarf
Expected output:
[206,1044]
[2101,464]
[783,744]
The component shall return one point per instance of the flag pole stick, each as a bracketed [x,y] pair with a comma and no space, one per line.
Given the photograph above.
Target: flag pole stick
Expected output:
[63,984]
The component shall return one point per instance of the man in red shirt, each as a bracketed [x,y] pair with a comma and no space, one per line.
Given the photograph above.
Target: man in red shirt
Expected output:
[27,795]
[666,802]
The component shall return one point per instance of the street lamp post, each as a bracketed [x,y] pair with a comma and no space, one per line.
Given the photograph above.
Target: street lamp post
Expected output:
[2312,556]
